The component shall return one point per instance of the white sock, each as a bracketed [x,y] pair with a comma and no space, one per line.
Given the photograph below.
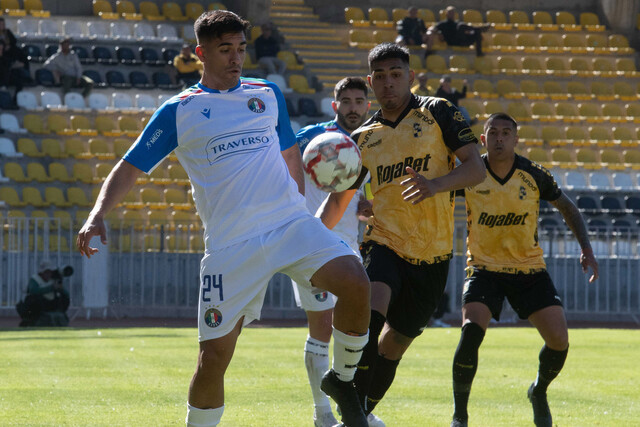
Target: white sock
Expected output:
[316,360]
[347,350]
[203,417]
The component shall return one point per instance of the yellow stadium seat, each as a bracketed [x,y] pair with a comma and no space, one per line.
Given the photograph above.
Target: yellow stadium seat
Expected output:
[37,172]
[519,111]
[601,135]
[604,67]
[484,89]
[557,66]
[127,10]
[631,157]
[543,111]
[427,16]
[568,112]
[178,175]
[531,89]
[459,64]
[578,91]
[474,108]
[58,172]
[586,155]
[508,89]
[33,197]
[626,67]
[575,43]
[300,84]
[150,11]
[533,66]
[102,172]
[133,219]
[498,20]
[509,65]
[290,59]
[193,10]
[173,12]
[82,172]
[567,21]
[131,200]
[561,155]
[504,42]
[379,17]
[152,198]
[384,36]
[76,148]
[551,42]
[82,125]
[538,154]
[57,123]
[12,8]
[52,148]
[624,136]
[580,67]
[102,8]
[34,8]
[597,43]
[64,217]
[101,149]
[554,90]
[619,42]
[491,107]
[362,39]
[33,123]
[554,136]
[398,14]
[177,199]
[436,64]
[591,22]
[216,6]
[10,196]
[106,126]
[159,176]
[129,125]
[121,146]
[528,135]
[27,146]
[415,63]
[77,197]
[55,197]
[14,172]
[544,21]
[613,112]
[624,91]
[578,135]
[591,112]
[483,65]
[633,110]
[472,16]
[355,16]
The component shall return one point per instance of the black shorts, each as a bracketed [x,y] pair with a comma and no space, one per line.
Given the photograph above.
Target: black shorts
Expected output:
[416,290]
[527,293]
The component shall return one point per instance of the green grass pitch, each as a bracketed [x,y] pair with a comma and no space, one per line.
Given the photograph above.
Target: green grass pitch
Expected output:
[140,376]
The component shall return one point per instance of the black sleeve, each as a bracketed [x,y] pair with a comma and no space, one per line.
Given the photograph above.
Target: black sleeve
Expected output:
[455,130]
[547,185]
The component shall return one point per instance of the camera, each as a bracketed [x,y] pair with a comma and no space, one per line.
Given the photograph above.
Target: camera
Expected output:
[59,274]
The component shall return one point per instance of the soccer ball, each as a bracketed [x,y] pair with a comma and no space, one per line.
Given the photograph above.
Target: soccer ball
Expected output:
[332,161]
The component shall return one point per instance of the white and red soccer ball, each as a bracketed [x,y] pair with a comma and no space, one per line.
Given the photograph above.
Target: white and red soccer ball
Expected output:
[332,161]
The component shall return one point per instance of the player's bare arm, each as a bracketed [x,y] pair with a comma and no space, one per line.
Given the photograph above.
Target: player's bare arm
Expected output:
[331,211]
[121,179]
[574,220]
[470,172]
[293,159]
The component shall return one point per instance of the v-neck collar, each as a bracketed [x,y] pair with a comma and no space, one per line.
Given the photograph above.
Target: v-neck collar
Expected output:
[413,103]
[502,181]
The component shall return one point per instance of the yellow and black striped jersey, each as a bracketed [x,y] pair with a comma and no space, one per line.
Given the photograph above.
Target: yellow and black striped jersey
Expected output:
[502,218]
[424,137]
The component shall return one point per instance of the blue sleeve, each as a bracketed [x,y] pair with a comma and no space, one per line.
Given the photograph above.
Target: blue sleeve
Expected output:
[285,133]
[307,133]
[157,140]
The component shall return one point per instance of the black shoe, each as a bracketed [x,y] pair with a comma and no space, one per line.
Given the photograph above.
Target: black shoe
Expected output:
[345,395]
[459,422]
[541,412]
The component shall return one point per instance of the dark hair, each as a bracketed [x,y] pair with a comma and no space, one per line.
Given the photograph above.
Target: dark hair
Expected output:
[388,51]
[501,116]
[350,83]
[213,24]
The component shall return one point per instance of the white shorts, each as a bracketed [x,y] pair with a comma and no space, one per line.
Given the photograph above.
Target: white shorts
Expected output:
[233,280]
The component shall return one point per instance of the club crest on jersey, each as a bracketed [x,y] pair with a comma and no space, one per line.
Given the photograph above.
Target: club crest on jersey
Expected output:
[256,105]
[417,130]
[523,193]
[213,317]
[457,116]
[322,296]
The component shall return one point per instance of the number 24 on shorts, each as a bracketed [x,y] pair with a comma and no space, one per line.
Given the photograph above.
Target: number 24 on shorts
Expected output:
[210,282]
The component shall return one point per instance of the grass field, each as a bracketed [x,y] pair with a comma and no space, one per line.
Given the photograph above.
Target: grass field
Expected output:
[140,376]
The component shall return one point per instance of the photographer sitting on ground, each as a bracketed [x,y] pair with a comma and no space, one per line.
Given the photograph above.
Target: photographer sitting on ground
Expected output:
[45,294]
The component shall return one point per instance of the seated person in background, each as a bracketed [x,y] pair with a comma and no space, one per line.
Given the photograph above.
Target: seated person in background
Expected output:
[267,47]
[188,66]
[45,293]
[12,73]
[411,29]
[421,89]
[455,33]
[66,69]
[10,46]
[451,94]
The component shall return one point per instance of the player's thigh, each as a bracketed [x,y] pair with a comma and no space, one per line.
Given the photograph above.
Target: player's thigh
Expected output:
[342,276]
[483,287]
[384,268]
[476,312]
[528,293]
[233,282]
[215,354]
[552,326]
[421,291]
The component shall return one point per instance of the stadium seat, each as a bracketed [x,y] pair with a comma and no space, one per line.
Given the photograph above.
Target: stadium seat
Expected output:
[139,80]
[193,10]
[49,29]
[58,123]
[483,65]
[436,64]
[129,125]
[355,16]
[178,175]
[32,197]
[77,197]
[76,148]
[54,196]
[532,65]
[145,102]
[558,66]
[173,12]
[591,112]
[543,20]
[33,123]
[568,112]
[622,181]
[58,172]
[379,17]
[590,22]
[575,43]
[631,203]
[33,52]
[10,196]
[103,55]
[101,149]
[37,172]
[98,30]
[149,56]
[162,80]
[587,156]
[126,56]
[538,154]
[44,77]
[14,172]
[307,107]
[588,205]
[116,79]
[554,136]
[96,77]
[82,172]
[300,84]
[52,148]
[167,33]
[177,199]
[600,181]
[632,157]
[577,135]
[121,31]
[98,101]
[150,11]
[145,32]
[27,146]
[567,21]
[601,135]
[575,180]
[509,65]
[50,100]
[127,10]
[531,89]
[9,122]
[612,206]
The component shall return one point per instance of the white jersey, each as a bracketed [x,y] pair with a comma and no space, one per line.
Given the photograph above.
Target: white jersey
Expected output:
[229,143]
[347,227]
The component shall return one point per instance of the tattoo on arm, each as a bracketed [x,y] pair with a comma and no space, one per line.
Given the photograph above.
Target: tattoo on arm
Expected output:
[574,219]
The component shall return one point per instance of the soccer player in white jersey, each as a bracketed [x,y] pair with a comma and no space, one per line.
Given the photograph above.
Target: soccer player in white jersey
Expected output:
[233,137]
[351,106]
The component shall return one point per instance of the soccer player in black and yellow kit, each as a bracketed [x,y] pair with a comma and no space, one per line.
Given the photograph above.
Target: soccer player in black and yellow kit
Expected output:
[409,146]
[505,260]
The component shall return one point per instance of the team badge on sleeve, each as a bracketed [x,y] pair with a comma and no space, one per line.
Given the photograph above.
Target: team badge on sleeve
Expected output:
[256,105]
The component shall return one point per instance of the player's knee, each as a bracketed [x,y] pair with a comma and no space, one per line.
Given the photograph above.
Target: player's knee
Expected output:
[558,340]
[212,361]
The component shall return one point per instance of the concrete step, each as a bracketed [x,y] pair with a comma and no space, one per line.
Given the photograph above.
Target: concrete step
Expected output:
[321,54]
[288,2]
[308,38]
[318,46]
[299,22]
[293,15]
[301,30]
[291,8]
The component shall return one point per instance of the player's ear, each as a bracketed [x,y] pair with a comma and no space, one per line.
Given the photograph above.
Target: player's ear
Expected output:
[369,81]
[199,52]
[412,76]
[483,140]
[334,105]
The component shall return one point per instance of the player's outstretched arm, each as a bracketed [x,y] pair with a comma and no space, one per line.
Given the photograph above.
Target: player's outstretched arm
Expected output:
[574,220]
[470,172]
[293,159]
[333,207]
[121,179]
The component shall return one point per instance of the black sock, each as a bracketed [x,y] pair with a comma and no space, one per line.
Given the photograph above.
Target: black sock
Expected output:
[465,365]
[367,363]
[551,363]
[385,373]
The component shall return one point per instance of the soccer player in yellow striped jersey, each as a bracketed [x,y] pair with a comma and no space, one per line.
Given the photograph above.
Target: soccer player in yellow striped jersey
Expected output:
[409,146]
[505,260]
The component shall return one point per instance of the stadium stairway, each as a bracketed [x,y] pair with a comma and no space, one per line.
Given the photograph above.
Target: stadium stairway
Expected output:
[316,43]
